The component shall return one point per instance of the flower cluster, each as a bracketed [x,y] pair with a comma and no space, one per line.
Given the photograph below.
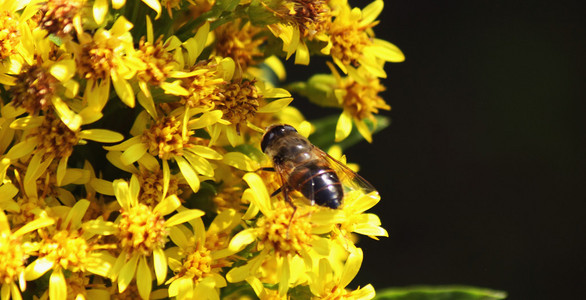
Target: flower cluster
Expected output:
[130,161]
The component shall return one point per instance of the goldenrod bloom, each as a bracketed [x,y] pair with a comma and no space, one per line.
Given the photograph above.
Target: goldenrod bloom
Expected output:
[328,284]
[142,233]
[283,239]
[353,43]
[200,257]
[68,247]
[14,250]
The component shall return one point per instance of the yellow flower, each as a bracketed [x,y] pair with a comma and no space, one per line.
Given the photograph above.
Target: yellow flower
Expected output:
[171,138]
[47,138]
[14,250]
[302,20]
[327,283]
[284,240]
[200,257]
[240,42]
[358,96]
[107,56]
[142,233]
[68,247]
[15,38]
[353,43]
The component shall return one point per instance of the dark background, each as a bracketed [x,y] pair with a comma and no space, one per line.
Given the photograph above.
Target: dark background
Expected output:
[482,169]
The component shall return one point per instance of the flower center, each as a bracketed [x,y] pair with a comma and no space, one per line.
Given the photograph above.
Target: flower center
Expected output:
[363,100]
[58,16]
[285,235]
[239,43]
[152,187]
[34,89]
[159,62]
[198,263]
[203,86]
[9,34]
[67,249]
[348,43]
[95,61]
[165,138]
[240,100]
[311,16]
[12,255]
[140,230]
[54,137]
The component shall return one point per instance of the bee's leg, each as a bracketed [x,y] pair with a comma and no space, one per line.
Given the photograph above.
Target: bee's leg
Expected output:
[268,169]
[286,195]
[277,191]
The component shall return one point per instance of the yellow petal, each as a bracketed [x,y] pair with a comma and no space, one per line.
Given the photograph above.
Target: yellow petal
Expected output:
[144,279]
[160,264]
[76,213]
[275,64]
[121,26]
[122,193]
[34,225]
[188,173]
[240,161]
[37,268]
[123,89]
[100,227]
[302,54]
[388,51]
[117,4]
[127,273]
[205,152]
[284,276]
[206,119]
[63,70]
[168,205]
[344,126]
[364,130]
[371,12]
[133,153]
[184,216]
[57,286]
[351,267]
[101,135]
[100,9]
[199,164]
[242,239]
[155,5]
[275,106]
[261,195]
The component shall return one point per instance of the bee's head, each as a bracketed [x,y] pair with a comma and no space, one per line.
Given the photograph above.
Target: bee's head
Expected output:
[274,132]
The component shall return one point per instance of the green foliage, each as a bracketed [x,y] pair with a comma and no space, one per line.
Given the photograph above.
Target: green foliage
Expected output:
[439,293]
[325,129]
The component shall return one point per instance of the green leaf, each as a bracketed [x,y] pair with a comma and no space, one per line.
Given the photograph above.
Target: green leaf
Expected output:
[439,293]
[325,128]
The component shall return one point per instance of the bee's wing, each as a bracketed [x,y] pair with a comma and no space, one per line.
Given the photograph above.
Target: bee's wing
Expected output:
[348,177]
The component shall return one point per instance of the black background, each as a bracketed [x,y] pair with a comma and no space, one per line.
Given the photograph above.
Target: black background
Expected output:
[482,169]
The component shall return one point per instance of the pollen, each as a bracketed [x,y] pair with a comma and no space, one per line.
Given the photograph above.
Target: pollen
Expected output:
[34,89]
[204,86]
[285,235]
[197,264]
[239,102]
[54,137]
[57,16]
[312,17]
[95,61]
[151,184]
[9,34]
[140,230]
[362,100]
[165,139]
[13,256]
[241,43]
[159,62]
[348,42]
[67,249]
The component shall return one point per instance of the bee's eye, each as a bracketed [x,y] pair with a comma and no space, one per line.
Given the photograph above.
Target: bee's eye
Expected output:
[273,133]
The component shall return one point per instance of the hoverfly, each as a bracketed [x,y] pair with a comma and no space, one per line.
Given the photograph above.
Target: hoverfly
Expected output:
[305,168]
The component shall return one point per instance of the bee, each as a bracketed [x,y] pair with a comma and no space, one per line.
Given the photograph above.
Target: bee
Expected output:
[305,168]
